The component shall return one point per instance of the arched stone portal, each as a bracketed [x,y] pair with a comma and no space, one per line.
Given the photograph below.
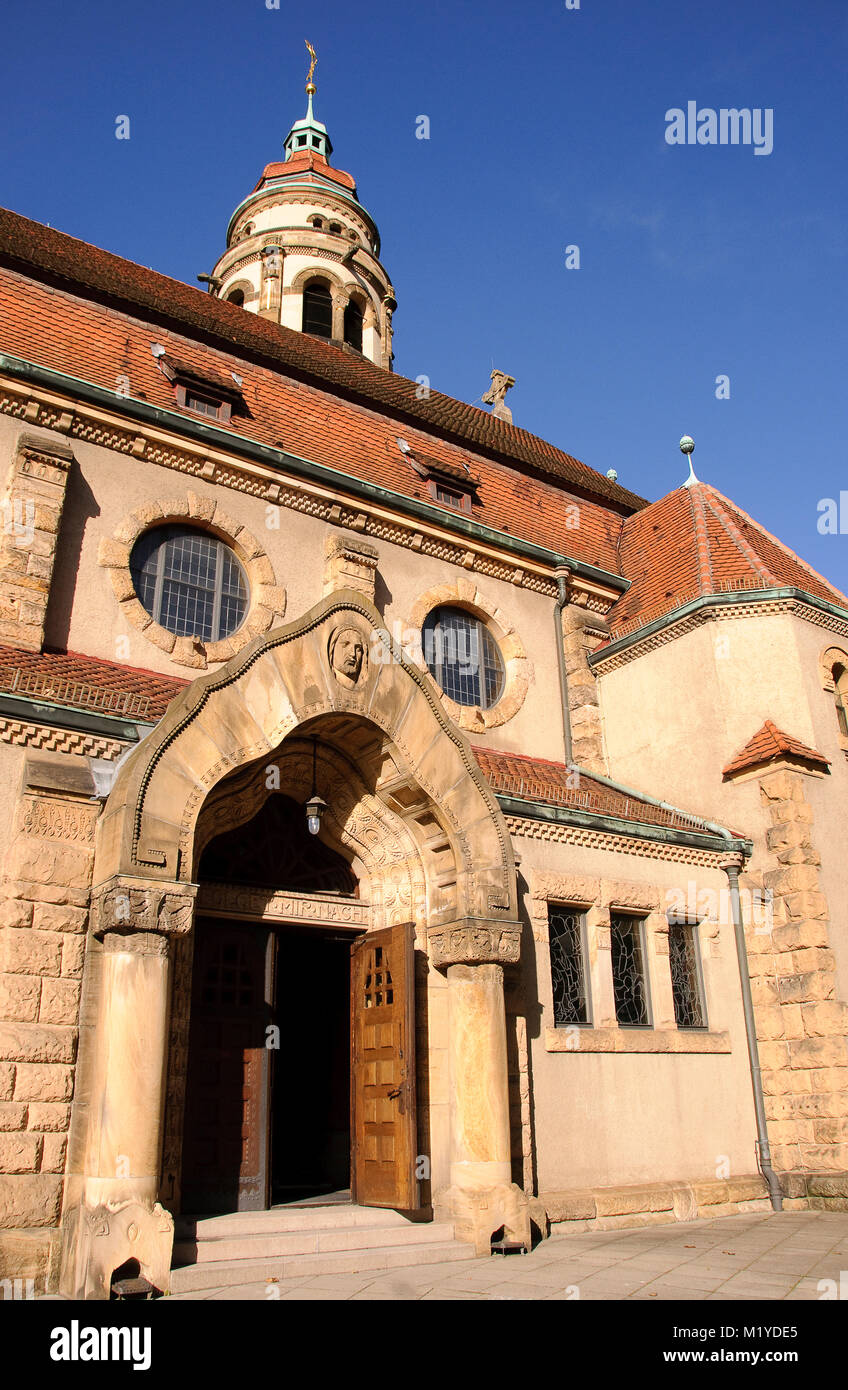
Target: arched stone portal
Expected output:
[425,833]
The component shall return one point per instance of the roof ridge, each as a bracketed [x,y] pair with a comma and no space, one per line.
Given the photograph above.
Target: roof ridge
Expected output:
[46,252]
[702,540]
[775,540]
[746,550]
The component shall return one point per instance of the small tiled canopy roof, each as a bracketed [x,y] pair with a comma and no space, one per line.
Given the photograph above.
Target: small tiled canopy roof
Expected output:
[86,682]
[537,779]
[770,744]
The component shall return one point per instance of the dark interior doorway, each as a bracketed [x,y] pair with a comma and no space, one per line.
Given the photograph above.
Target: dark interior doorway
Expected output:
[267,1124]
[310,1125]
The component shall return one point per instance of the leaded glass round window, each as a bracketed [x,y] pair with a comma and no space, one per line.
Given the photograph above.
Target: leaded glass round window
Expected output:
[463,656]
[189,582]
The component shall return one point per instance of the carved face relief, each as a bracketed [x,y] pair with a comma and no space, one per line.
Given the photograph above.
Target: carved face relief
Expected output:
[347,654]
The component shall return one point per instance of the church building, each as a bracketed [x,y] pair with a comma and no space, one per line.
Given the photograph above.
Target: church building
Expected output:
[410,838]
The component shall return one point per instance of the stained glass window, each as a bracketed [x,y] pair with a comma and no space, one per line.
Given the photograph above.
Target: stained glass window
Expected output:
[630,984]
[568,965]
[189,582]
[685,977]
[463,656]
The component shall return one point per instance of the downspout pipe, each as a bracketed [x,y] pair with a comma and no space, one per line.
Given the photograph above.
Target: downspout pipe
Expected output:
[731,866]
[561,575]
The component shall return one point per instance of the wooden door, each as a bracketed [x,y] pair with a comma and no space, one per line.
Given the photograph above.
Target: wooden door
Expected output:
[383,1114]
[225,1146]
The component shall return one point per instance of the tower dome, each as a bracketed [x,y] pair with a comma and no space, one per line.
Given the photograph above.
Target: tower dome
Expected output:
[304,252]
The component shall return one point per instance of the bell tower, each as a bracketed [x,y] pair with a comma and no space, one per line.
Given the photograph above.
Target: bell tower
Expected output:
[304,252]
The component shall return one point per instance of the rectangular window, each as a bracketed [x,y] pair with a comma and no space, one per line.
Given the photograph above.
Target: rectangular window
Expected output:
[203,405]
[567,936]
[449,497]
[684,963]
[630,981]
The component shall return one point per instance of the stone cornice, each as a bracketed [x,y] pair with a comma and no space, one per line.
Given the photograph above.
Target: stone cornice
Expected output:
[79,410]
[742,603]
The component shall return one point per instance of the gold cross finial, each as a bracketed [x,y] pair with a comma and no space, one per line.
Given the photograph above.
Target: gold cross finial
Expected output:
[310,85]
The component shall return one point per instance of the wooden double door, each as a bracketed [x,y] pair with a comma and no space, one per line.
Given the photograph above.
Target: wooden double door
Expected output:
[301,1071]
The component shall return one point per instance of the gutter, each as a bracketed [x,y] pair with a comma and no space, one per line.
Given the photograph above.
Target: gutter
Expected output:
[212,437]
[725,600]
[66,717]
[513,805]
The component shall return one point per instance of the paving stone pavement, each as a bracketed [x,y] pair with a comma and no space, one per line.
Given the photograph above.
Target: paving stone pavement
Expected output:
[772,1256]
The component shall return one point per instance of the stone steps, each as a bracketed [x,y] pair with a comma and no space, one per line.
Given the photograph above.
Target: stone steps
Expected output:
[253,1247]
[225,1273]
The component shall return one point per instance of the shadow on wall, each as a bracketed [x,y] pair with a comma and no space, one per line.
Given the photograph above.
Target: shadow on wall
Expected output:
[80,506]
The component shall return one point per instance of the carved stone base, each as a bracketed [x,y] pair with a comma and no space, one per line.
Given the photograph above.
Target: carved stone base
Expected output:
[99,1240]
[478,1213]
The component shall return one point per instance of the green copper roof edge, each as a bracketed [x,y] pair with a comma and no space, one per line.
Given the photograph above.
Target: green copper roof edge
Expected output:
[616,825]
[317,472]
[727,600]
[71,717]
[295,183]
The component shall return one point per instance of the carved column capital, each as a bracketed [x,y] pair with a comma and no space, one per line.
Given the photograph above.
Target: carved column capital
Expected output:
[475,941]
[128,905]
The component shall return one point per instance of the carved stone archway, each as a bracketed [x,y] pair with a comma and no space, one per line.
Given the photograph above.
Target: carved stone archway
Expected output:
[416,814]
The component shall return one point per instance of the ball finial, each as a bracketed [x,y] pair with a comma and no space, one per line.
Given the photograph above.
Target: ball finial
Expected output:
[687,444]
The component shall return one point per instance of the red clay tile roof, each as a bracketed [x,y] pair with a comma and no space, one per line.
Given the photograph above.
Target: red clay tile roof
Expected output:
[695,542]
[84,339]
[86,682]
[42,253]
[303,163]
[769,744]
[537,779]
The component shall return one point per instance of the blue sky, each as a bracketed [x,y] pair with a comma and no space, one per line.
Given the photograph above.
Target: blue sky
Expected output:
[547,130]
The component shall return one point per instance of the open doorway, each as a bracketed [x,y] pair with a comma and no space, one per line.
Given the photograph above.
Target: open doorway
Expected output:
[310,1082]
[267,1117]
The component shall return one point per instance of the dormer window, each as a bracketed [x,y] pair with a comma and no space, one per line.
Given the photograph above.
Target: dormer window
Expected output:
[203,405]
[461,502]
[202,392]
[449,484]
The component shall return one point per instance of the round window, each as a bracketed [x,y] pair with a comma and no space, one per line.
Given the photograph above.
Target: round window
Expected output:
[189,582]
[463,656]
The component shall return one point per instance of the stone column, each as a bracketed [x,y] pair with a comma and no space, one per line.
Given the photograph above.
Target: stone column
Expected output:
[481,1198]
[270,283]
[118,1218]
[340,299]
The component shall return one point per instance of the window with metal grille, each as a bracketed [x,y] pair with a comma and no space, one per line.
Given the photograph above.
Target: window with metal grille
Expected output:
[463,657]
[684,963]
[630,984]
[189,582]
[567,937]
[317,309]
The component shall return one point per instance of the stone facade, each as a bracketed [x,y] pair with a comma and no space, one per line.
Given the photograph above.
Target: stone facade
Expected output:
[322,690]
